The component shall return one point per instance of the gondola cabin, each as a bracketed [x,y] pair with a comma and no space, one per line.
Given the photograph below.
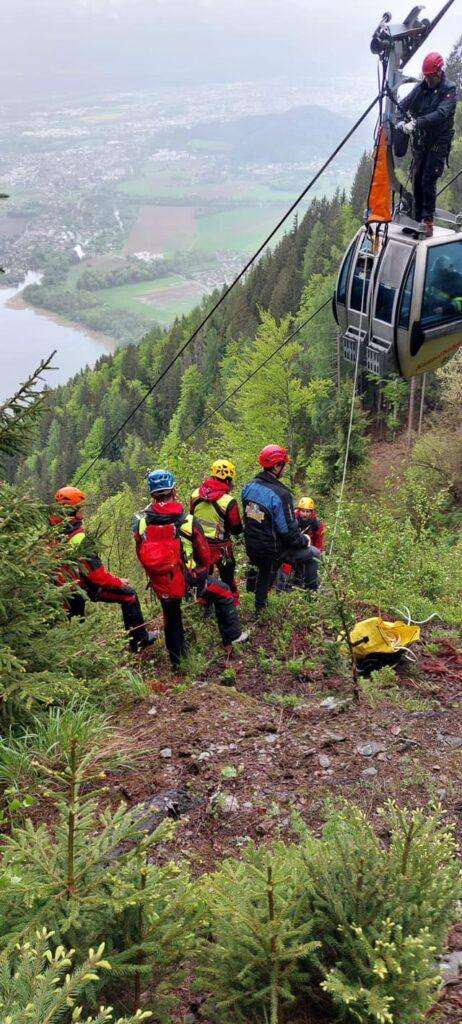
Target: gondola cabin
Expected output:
[399,297]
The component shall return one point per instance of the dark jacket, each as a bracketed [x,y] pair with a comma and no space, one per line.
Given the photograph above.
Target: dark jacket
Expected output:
[270,526]
[433,111]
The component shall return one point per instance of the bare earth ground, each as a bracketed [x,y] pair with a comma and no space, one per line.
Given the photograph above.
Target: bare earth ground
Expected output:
[156,225]
[289,759]
[180,293]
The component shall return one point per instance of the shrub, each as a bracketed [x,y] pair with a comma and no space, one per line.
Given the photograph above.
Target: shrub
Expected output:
[258,937]
[41,985]
[90,877]
[381,915]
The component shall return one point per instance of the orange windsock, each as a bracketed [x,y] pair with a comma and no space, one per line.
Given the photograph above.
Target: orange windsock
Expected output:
[380,203]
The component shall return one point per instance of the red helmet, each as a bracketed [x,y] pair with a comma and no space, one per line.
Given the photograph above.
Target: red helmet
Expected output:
[70,496]
[433,64]
[272,454]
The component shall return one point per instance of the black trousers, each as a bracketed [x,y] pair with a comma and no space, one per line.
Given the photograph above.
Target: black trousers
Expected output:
[217,594]
[260,578]
[175,639]
[130,606]
[212,593]
[227,569]
[428,166]
[305,562]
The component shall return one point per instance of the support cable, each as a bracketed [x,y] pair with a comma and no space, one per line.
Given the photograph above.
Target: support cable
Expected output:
[230,287]
[260,366]
[450,182]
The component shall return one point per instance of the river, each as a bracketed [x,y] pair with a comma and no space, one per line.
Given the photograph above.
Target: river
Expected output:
[27,336]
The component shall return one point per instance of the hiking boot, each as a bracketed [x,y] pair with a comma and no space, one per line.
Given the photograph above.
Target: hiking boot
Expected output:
[242,639]
[427,227]
[151,638]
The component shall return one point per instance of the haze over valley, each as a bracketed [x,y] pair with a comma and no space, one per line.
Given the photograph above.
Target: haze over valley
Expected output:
[137,185]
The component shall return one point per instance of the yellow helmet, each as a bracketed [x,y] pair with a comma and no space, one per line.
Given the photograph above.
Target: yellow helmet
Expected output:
[223,469]
[306,504]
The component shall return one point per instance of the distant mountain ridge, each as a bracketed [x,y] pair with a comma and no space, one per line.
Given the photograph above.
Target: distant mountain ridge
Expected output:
[295,135]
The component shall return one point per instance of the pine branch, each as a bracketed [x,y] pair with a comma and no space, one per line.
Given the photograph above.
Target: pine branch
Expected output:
[18,412]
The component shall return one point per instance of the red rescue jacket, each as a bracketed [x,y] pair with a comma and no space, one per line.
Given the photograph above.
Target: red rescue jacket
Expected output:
[313,527]
[92,574]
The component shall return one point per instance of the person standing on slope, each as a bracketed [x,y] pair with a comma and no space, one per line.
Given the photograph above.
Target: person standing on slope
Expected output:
[91,575]
[271,531]
[217,511]
[174,553]
[430,110]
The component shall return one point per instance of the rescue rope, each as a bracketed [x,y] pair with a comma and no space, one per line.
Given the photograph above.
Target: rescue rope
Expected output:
[230,287]
[353,399]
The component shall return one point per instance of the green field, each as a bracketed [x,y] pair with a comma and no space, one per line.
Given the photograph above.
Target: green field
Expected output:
[239,230]
[171,296]
[175,183]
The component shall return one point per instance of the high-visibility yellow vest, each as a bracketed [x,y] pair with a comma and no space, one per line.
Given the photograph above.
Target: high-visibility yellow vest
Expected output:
[186,533]
[76,539]
[211,515]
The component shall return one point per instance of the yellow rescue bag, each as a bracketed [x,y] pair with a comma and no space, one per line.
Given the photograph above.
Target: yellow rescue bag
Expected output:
[376,642]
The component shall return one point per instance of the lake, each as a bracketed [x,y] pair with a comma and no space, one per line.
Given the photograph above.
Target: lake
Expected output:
[27,336]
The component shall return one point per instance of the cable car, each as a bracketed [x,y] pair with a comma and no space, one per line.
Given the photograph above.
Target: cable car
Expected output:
[399,298]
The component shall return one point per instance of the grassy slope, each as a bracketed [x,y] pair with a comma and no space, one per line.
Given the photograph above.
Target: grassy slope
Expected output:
[260,713]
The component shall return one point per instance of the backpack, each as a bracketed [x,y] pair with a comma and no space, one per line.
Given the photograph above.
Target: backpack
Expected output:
[377,643]
[161,555]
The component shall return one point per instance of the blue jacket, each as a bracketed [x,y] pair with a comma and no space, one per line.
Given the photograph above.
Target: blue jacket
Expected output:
[270,525]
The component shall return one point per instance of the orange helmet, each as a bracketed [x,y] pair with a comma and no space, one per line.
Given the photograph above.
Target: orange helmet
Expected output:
[70,496]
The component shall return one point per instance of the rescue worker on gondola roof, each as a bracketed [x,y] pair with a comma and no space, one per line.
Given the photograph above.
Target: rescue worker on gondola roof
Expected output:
[430,109]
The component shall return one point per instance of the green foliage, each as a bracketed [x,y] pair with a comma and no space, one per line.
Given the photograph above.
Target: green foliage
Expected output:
[90,877]
[381,914]
[361,185]
[18,415]
[339,923]
[281,407]
[381,686]
[43,658]
[258,942]
[454,67]
[396,559]
[40,984]
[325,466]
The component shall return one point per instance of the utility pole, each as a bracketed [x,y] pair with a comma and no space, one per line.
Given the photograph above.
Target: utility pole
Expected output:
[422,401]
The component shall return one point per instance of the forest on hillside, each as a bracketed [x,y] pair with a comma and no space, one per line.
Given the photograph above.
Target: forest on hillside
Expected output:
[269,835]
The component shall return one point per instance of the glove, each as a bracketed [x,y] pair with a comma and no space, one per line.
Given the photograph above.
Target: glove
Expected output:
[408,127]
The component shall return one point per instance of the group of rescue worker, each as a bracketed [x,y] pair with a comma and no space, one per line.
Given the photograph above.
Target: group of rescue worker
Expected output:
[188,555]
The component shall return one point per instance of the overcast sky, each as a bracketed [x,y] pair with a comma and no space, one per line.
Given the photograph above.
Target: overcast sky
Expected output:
[59,46]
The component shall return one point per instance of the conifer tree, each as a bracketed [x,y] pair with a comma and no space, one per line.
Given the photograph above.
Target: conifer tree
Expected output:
[255,958]
[276,404]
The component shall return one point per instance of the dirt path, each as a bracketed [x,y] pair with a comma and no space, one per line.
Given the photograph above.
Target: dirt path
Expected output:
[245,765]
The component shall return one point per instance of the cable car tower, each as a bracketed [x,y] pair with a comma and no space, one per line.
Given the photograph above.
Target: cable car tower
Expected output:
[398,300]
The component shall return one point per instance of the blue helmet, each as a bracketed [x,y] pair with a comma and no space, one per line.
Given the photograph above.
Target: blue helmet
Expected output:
[160,480]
